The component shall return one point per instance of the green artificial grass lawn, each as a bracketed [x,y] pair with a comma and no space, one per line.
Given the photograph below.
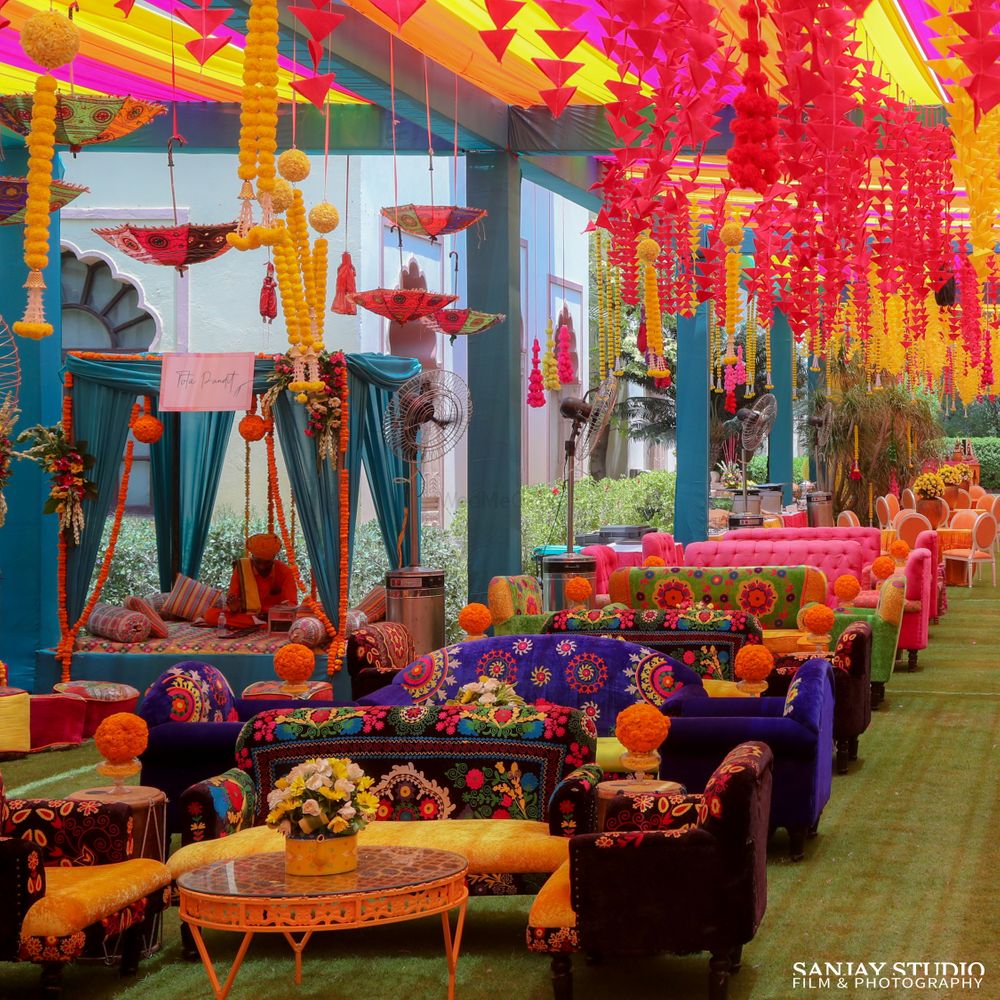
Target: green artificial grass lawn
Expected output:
[905,868]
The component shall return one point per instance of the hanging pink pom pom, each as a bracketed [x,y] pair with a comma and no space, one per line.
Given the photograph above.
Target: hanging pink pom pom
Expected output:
[565,361]
[536,386]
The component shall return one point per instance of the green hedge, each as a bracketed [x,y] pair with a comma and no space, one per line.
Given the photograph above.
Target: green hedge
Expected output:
[757,469]
[987,450]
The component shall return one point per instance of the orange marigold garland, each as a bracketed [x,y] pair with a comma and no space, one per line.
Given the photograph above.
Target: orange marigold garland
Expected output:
[899,550]
[817,619]
[294,663]
[147,428]
[846,588]
[121,737]
[883,567]
[754,663]
[641,728]
[578,589]
[474,619]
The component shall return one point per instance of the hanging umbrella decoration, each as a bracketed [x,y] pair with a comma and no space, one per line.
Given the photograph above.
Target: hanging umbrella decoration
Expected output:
[431,221]
[14,197]
[402,305]
[463,322]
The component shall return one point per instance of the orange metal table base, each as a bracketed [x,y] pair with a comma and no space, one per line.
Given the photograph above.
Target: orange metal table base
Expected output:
[306,915]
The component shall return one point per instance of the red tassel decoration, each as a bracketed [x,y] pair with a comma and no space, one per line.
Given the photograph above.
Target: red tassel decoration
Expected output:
[345,287]
[565,361]
[536,387]
[268,296]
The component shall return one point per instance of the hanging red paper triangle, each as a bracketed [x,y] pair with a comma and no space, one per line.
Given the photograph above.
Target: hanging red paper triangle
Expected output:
[560,40]
[399,11]
[563,12]
[557,99]
[557,70]
[125,6]
[315,88]
[315,52]
[501,11]
[497,40]
[319,23]
[203,21]
[204,48]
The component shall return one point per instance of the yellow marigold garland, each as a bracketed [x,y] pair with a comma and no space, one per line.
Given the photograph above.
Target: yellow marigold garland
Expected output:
[550,367]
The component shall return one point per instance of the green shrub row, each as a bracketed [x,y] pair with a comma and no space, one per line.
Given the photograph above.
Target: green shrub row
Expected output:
[757,469]
[987,450]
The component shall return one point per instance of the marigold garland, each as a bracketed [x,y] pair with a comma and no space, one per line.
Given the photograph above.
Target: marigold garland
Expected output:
[641,728]
[883,567]
[846,588]
[474,619]
[294,663]
[121,737]
[654,561]
[899,550]
[818,619]
[754,662]
[147,428]
[578,589]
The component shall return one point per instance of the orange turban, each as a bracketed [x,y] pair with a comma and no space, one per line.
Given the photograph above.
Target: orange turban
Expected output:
[264,546]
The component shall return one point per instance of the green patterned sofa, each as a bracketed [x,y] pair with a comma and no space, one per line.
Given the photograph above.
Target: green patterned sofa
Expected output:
[516,605]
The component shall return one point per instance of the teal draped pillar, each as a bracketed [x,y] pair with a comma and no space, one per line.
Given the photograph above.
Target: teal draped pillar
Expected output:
[780,440]
[693,402]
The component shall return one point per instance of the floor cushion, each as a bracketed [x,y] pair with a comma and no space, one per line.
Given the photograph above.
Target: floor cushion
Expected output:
[492,846]
[15,722]
[157,626]
[103,698]
[57,720]
[190,691]
[118,624]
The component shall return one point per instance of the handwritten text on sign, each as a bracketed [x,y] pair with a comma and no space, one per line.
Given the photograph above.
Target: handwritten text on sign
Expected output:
[206,382]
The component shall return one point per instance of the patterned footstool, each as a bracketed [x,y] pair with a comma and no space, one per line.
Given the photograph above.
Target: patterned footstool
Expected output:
[57,720]
[103,698]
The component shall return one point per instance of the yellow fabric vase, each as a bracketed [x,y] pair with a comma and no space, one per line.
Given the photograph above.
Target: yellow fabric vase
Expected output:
[313,856]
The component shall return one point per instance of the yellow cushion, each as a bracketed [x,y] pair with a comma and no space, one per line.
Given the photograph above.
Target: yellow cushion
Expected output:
[782,640]
[491,846]
[75,898]
[723,689]
[15,722]
[551,907]
[609,754]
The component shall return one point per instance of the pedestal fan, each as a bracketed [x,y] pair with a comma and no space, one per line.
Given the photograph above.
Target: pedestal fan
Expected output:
[589,420]
[426,417]
[755,423]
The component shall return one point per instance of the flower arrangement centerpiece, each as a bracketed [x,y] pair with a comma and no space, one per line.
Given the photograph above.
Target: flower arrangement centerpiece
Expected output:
[8,418]
[731,475]
[817,620]
[964,475]
[846,588]
[928,486]
[67,463]
[753,666]
[120,738]
[319,807]
[294,664]
[641,729]
[949,475]
[474,619]
[488,692]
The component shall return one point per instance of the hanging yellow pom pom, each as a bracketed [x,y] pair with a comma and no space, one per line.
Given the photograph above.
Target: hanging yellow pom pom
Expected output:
[50,39]
[293,165]
[648,250]
[732,233]
[324,217]
[281,196]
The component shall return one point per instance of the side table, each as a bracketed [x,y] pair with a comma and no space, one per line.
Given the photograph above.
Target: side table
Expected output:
[609,790]
[149,836]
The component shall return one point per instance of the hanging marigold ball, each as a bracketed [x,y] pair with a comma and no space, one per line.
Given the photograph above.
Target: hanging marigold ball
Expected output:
[253,427]
[648,250]
[732,233]
[281,196]
[324,217]
[50,39]
[147,429]
[293,165]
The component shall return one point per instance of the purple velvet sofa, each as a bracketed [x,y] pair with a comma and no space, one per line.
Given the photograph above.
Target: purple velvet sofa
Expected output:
[797,728]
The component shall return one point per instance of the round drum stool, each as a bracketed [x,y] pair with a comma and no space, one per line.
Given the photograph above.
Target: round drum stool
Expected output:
[15,723]
[608,790]
[314,691]
[103,698]
[57,720]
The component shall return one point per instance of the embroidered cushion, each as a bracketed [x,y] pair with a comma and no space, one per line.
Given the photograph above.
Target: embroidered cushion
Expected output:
[157,626]
[189,692]
[190,599]
[308,631]
[118,624]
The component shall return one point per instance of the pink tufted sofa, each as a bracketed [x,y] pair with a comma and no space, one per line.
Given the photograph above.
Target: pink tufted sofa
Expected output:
[921,571]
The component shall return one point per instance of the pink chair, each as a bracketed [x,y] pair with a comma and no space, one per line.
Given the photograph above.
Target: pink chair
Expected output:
[662,544]
[848,519]
[984,534]
[607,563]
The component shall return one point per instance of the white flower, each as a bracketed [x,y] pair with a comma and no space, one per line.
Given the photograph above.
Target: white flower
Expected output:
[310,808]
[347,811]
[487,699]
[273,798]
[491,684]
[344,786]
[315,782]
[355,772]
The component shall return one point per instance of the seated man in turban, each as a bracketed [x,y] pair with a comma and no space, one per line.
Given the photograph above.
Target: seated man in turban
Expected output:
[260,581]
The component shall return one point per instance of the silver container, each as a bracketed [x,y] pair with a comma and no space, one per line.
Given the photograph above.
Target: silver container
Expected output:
[557,570]
[737,521]
[819,505]
[770,499]
[414,597]
[748,505]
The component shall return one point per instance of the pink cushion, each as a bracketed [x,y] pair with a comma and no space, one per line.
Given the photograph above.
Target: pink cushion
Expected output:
[866,599]
[607,562]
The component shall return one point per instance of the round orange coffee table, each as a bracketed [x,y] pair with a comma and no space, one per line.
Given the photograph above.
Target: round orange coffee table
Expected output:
[255,896]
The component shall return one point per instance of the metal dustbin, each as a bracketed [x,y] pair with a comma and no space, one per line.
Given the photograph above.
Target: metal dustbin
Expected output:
[737,521]
[819,505]
[557,570]
[414,597]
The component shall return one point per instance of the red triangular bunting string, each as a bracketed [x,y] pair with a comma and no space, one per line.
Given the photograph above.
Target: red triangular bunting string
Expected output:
[557,99]
[315,52]
[204,48]
[125,6]
[557,70]
[497,40]
[501,11]
[399,11]
[203,21]
[319,23]
[561,41]
[562,12]
[315,88]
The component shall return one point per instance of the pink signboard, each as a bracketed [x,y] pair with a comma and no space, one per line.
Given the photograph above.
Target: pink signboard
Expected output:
[206,382]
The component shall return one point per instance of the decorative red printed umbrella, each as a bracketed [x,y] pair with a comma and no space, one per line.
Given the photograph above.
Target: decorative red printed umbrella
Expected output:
[82,120]
[14,194]
[465,322]
[432,221]
[402,305]
[172,246]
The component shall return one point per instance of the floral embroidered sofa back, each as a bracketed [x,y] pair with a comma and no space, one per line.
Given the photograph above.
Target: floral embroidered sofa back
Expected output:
[600,676]
[773,594]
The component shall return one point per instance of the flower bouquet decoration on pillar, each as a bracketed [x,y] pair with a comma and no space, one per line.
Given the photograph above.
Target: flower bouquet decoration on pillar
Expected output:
[120,738]
[319,807]
[641,729]
[753,666]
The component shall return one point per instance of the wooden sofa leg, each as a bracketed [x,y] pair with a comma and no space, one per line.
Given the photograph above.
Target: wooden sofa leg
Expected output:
[797,842]
[52,979]
[843,754]
[878,693]
[719,967]
[852,751]
[911,660]
[562,976]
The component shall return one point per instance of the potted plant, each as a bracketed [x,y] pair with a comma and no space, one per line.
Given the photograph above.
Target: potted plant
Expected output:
[964,476]
[929,489]
[951,476]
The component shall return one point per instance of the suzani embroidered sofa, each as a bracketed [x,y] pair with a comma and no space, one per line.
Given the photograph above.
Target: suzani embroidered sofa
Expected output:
[679,873]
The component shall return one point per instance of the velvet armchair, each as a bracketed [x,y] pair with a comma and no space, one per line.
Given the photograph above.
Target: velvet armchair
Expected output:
[677,873]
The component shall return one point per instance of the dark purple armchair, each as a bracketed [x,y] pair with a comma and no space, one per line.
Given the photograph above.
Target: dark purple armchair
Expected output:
[670,873]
